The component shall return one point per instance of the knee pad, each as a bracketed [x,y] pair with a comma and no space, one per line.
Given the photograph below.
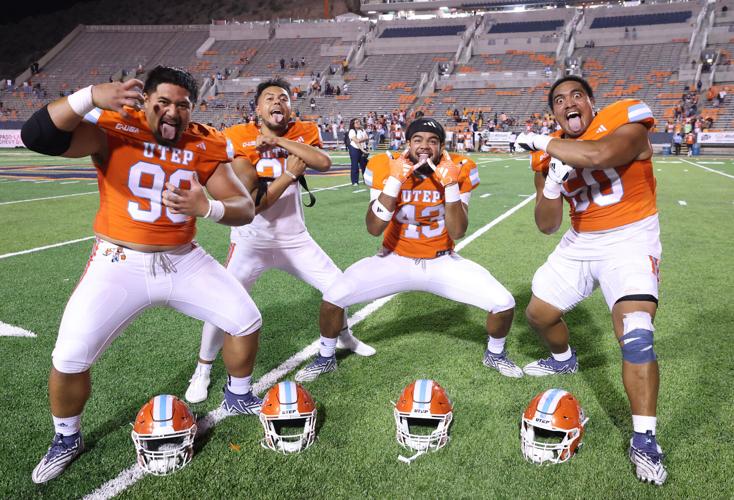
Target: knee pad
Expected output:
[71,356]
[253,327]
[338,293]
[507,303]
[637,341]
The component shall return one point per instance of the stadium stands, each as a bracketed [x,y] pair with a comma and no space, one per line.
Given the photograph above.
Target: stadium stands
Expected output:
[524,27]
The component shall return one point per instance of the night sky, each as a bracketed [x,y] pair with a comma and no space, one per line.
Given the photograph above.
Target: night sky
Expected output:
[17,10]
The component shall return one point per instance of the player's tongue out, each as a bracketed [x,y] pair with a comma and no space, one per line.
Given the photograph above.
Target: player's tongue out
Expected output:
[574,121]
[168,130]
[277,116]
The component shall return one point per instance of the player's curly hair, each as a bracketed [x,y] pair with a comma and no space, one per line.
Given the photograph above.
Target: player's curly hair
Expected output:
[570,78]
[174,76]
[273,82]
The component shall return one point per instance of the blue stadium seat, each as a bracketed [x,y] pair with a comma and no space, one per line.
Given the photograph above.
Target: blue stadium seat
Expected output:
[642,19]
[411,32]
[527,26]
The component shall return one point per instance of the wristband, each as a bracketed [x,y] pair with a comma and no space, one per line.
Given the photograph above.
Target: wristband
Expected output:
[381,211]
[551,190]
[392,187]
[216,210]
[291,175]
[81,101]
[451,193]
[541,142]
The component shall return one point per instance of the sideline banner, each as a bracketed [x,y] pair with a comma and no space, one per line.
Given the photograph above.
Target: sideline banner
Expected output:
[10,139]
[497,136]
[716,138]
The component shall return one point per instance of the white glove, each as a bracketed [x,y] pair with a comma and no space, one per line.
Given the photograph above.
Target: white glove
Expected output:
[530,141]
[558,172]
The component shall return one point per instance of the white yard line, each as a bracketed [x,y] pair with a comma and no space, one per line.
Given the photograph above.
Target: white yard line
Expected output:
[47,198]
[709,169]
[7,330]
[46,247]
[133,474]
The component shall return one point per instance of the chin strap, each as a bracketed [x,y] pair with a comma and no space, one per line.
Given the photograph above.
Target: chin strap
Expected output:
[409,460]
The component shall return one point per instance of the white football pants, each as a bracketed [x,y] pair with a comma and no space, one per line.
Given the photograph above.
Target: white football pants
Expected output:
[118,284]
[301,257]
[450,276]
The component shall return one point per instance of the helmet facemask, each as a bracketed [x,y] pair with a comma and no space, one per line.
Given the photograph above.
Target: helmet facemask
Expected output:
[289,435]
[164,454]
[422,433]
[547,445]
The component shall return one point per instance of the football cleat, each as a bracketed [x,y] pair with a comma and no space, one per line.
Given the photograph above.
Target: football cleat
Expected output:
[63,451]
[318,366]
[647,457]
[198,387]
[423,415]
[549,366]
[288,418]
[552,427]
[241,404]
[502,364]
[347,340]
[163,433]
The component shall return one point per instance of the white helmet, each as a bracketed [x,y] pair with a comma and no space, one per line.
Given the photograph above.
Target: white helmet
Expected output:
[423,403]
[552,427]
[286,406]
[163,434]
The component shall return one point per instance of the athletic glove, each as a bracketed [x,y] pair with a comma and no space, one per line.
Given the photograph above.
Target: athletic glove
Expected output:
[530,141]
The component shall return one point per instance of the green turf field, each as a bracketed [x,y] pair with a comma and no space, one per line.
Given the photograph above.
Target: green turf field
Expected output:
[416,335]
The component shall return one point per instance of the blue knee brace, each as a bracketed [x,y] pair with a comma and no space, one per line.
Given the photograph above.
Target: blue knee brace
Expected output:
[636,343]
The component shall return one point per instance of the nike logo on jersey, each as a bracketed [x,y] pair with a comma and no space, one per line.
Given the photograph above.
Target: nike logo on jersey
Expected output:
[420,195]
[165,153]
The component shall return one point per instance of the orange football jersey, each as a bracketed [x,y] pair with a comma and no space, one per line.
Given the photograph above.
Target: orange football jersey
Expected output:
[417,229]
[132,180]
[602,199]
[270,164]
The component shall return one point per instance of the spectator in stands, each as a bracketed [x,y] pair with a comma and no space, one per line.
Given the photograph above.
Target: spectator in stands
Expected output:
[677,141]
[282,63]
[345,88]
[139,70]
[338,90]
[699,84]
[366,77]
[457,115]
[722,96]
[312,103]
[356,141]
[303,61]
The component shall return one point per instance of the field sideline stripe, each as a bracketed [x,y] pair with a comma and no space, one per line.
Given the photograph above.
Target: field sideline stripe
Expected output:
[133,474]
[709,169]
[46,247]
[47,198]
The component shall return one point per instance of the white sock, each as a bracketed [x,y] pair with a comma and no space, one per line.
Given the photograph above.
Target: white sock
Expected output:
[564,356]
[496,346]
[327,347]
[68,425]
[642,424]
[239,385]
[204,368]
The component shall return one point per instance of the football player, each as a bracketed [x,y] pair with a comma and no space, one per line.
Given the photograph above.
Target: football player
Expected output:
[601,163]
[420,202]
[270,160]
[152,165]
